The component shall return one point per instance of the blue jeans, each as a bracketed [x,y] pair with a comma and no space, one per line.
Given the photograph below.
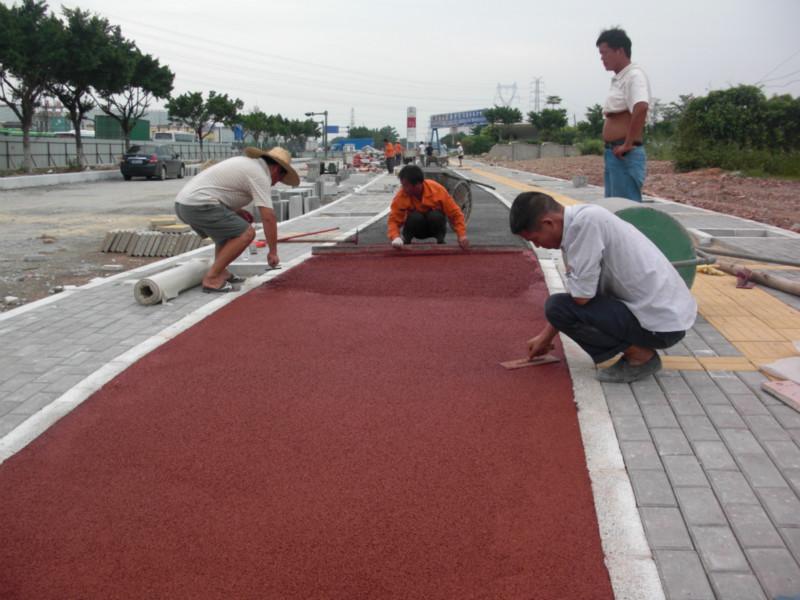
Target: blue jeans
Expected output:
[624,176]
[604,326]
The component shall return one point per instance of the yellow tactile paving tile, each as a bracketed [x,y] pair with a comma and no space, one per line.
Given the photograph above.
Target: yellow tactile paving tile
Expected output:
[744,329]
[681,363]
[726,363]
[766,351]
[524,187]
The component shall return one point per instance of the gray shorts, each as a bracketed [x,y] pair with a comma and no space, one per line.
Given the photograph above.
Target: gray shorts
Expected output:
[215,221]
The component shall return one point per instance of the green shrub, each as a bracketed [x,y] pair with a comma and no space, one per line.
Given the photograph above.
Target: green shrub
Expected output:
[591,147]
[477,144]
[733,158]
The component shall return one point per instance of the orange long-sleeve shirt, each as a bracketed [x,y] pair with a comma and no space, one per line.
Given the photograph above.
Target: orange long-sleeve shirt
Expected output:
[398,149]
[388,150]
[434,197]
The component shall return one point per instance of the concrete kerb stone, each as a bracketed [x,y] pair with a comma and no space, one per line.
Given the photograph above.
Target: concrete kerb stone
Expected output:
[630,562]
[40,421]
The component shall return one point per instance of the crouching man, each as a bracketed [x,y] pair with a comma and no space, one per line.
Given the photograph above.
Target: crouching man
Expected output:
[422,208]
[624,295]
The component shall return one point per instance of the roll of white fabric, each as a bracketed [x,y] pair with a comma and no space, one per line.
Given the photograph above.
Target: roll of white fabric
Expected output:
[168,284]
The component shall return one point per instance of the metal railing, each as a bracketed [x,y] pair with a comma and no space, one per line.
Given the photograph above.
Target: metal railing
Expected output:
[55,153]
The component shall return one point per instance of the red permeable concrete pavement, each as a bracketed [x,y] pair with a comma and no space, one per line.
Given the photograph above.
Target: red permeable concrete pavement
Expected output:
[345,432]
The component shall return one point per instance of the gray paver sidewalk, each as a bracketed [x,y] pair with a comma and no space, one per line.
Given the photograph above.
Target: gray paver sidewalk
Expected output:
[714,462]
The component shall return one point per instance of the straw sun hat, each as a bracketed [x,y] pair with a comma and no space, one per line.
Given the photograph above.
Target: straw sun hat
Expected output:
[280,156]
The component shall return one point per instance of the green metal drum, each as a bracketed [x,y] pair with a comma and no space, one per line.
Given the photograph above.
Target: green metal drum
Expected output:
[662,229]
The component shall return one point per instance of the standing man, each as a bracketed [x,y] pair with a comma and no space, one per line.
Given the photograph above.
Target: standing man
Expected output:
[398,154]
[626,112]
[460,151]
[421,208]
[213,202]
[388,153]
[623,294]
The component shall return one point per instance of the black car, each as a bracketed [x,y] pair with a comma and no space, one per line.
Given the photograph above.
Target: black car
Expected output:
[151,160]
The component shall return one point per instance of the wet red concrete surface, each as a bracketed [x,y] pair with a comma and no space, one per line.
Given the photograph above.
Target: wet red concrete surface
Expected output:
[343,433]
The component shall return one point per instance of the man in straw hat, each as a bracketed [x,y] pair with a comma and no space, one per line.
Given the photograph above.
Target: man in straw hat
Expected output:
[213,202]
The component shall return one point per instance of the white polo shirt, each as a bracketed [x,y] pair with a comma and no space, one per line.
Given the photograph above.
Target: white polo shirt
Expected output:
[235,182]
[608,256]
[628,87]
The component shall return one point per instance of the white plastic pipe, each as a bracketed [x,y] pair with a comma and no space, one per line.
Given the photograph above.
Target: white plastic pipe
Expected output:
[168,284]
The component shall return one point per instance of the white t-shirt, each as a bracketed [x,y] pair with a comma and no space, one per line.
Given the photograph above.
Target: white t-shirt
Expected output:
[460,150]
[628,87]
[608,256]
[235,182]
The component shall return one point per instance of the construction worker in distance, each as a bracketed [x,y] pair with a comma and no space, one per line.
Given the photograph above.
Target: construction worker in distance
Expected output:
[421,210]
[388,153]
[398,154]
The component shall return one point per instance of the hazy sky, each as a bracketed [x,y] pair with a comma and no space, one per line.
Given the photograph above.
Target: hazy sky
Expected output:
[379,57]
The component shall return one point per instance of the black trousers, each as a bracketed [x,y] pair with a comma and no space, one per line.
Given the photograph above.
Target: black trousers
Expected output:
[432,224]
[604,326]
[390,164]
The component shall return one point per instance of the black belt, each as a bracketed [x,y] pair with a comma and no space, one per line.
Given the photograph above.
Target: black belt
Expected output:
[619,143]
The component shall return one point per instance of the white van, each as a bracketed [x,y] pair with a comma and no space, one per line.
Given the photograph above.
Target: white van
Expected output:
[173,136]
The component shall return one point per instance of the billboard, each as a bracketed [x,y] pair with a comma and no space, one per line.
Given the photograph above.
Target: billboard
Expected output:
[332,129]
[459,119]
[411,126]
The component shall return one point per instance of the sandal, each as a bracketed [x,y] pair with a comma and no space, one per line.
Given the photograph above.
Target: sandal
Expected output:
[235,279]
[223,289]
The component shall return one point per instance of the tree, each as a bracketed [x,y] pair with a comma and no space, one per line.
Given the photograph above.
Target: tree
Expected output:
[127,96]
[255,124]
[593,126]
[552,101]
[377,135]
[201,116]
[502,114]
[548,122]
[29,40]
[88,56]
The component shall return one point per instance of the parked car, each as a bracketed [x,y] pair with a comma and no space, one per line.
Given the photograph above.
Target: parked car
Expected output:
[151,160]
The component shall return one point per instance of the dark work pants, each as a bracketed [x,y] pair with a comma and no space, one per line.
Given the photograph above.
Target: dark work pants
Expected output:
[604,326]
[390,164]
[432,224]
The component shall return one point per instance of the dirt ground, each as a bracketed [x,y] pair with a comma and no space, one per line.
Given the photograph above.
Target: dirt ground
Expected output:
[772,201]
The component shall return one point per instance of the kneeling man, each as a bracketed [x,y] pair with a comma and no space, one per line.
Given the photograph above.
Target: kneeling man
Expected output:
[624,295]
[421,208]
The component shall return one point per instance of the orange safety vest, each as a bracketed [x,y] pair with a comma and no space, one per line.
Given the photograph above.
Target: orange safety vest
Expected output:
[388,150]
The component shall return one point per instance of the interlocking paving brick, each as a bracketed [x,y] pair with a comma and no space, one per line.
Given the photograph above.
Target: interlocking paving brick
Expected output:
[685,405]
[782,505]
[7,406]
[741,441]
[766,428]
[718,549]
[665,528]
[786,416]
[732,488]
[35,403]
[670,442]
[724,415]
[748,404]
[792,537]
[651,488]
[760,471]
[684,471]
[776,570]
[659,416]
[752,526]
[673,383]
[9,421]
[700,507]
[786,454]
[714,455]
[683,575]
[793,477]
[631,428]
[648,392]
[640,455]
[698,428]
[730,384]
[24,392]
[620,400]
[737,586]
[13,383]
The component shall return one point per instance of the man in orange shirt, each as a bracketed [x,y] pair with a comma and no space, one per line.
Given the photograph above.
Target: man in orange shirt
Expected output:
[421,209]
[388,153]
[398,154]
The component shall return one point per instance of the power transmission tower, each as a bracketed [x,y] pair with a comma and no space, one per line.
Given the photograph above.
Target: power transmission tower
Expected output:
[536,91]
[500,95]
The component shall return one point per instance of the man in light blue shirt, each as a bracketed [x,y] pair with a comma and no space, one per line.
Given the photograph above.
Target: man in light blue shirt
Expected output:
[623,296]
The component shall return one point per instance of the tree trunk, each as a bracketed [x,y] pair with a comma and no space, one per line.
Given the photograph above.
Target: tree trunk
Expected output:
[27,122]
[76,126]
